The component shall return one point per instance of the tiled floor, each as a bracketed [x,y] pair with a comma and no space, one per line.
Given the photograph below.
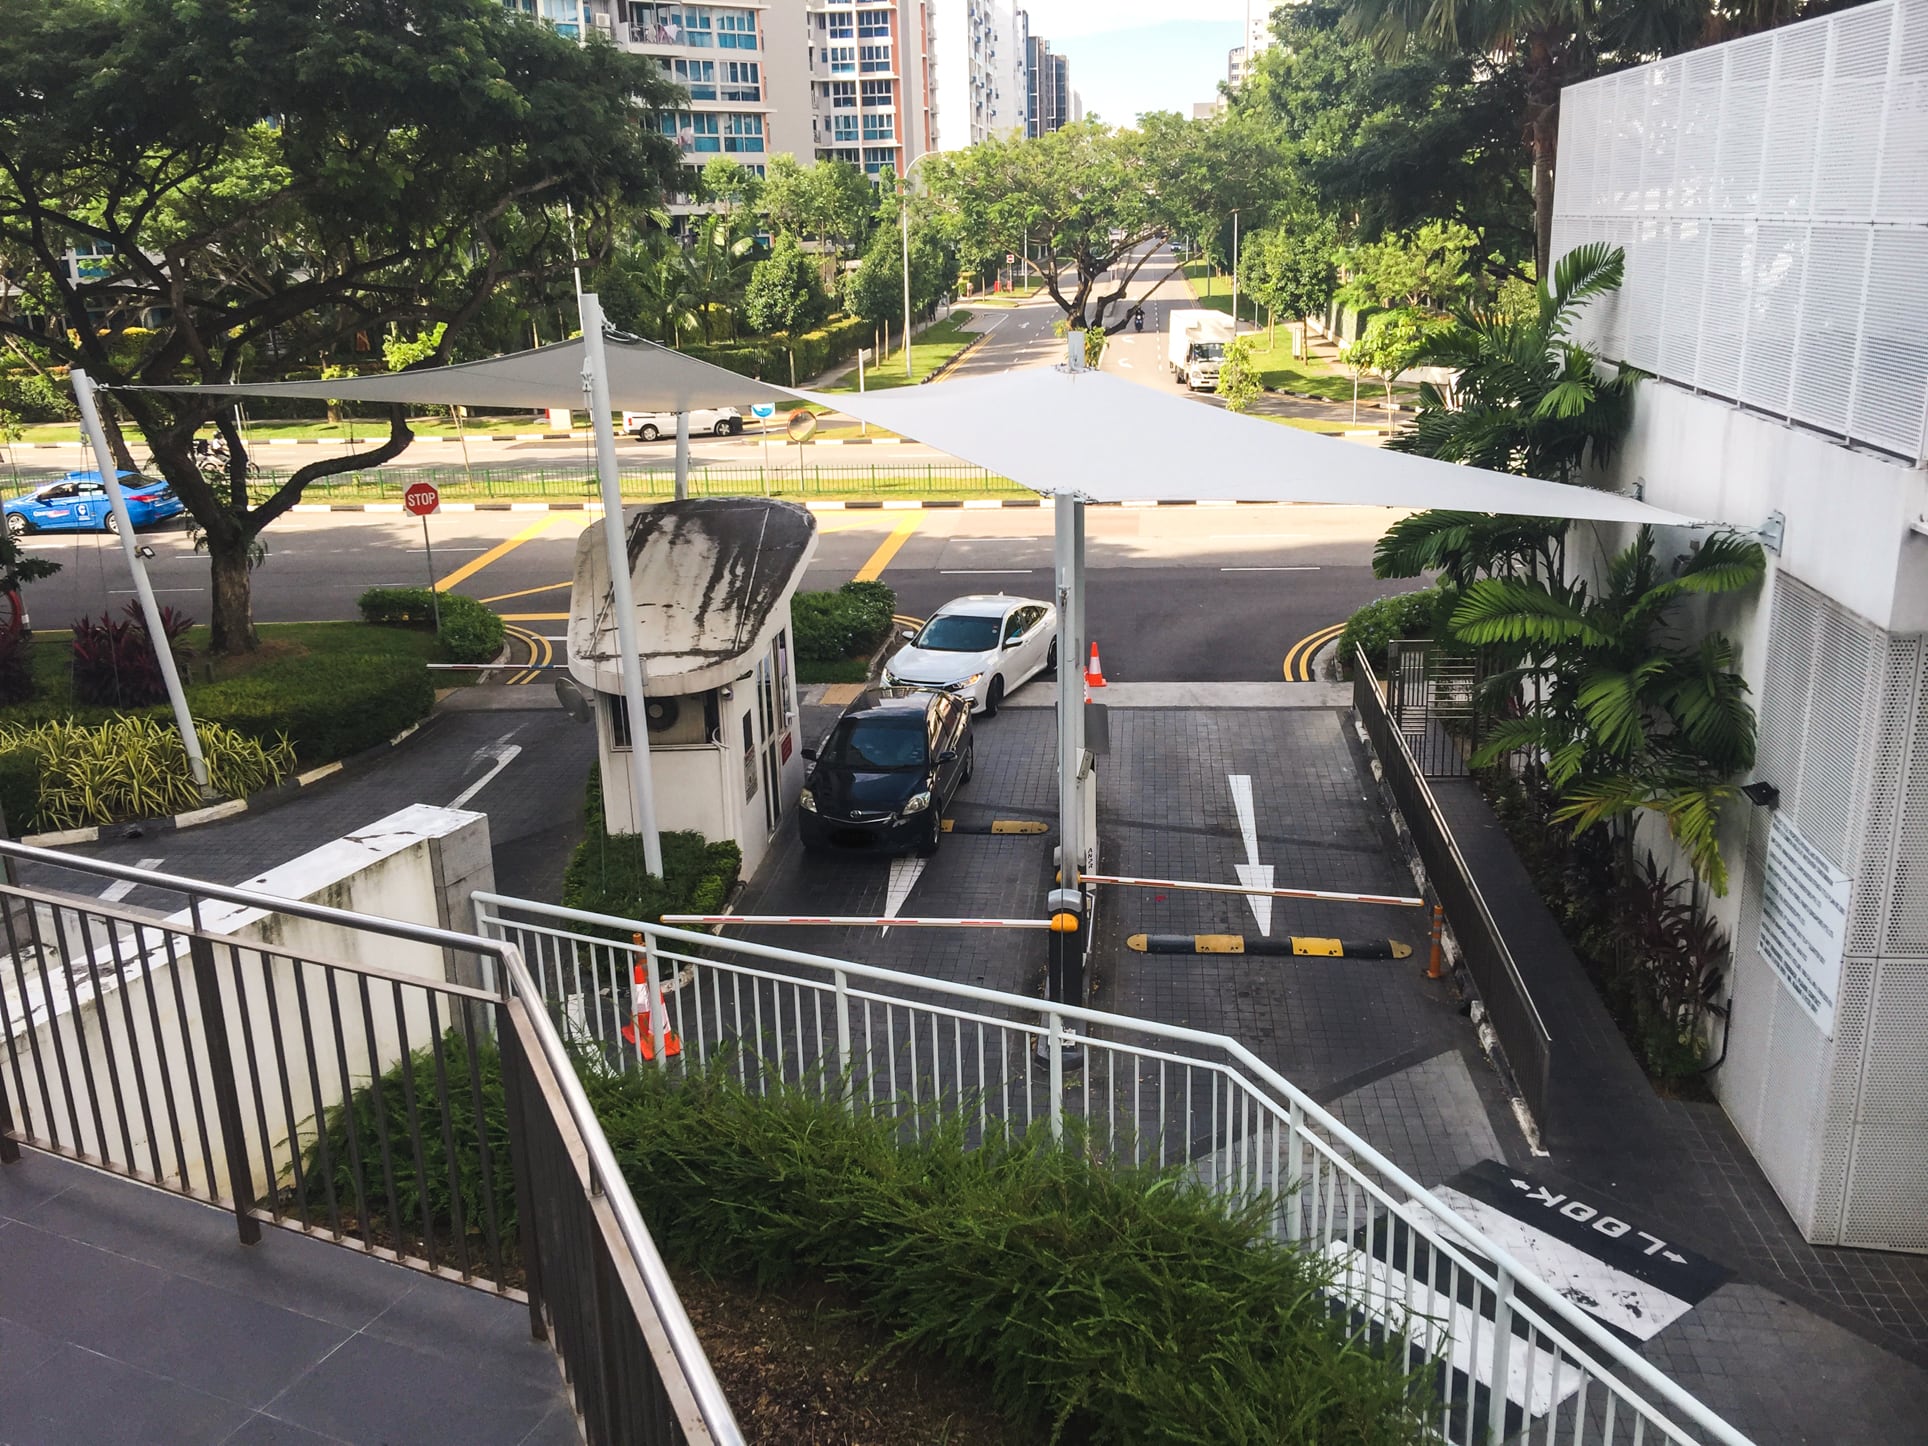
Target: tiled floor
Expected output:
[128,1315]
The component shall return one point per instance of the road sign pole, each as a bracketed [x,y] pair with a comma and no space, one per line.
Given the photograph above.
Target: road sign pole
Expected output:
[163,654]
[434,597]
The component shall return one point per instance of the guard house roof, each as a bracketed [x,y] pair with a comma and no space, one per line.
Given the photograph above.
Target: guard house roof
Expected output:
[711,576]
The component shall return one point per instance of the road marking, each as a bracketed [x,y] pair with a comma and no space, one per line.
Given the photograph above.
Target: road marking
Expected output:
[988,571]
[534,617]
[503,752]
[903,877]
[500,550]
[527,592]
[1252,874]
[1298,658]
[129,592]
[887,549]
[117,891]
[1268,569]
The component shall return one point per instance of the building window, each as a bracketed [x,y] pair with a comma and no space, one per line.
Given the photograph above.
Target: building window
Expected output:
[841,153]
[878,157]
[842,28]
[742,133]
[843,128]
[842,93]
[873,23]
[736,29]
[741,81]
[875,57]
[698,77]
[879,128]
[618,707]
[879,92]
[843,60]
[694,132]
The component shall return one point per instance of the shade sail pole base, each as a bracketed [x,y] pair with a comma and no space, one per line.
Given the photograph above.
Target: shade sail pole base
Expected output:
[150,610]
[622,596]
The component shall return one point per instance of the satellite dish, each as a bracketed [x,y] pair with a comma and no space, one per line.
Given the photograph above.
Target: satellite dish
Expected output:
[660,713]
[801,425]
[572,700]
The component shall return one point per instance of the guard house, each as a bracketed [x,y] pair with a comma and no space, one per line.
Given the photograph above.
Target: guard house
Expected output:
[713,579]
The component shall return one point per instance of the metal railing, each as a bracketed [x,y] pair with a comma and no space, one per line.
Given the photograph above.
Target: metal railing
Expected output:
[396,1105]
[784,477]
[1509,1003]
[1514,1359]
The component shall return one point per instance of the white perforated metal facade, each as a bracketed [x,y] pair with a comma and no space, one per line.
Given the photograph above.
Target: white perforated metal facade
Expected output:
[1838,1124]
[1771,195]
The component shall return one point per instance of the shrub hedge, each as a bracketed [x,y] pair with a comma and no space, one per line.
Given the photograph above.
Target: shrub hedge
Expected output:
[20,789]
[1421,614]
[607,875]
[336,706]
[768,357]
[471,632]
[848,623]
[133,768]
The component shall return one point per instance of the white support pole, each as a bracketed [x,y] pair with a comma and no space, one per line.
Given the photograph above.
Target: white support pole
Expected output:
[903,213]
[622,598]
[1248,42]
[682,456]
[104,459]
[1070,692]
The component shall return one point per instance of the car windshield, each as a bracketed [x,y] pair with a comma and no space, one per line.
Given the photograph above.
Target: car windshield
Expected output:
[956,633]
[877,743]
[1208,351]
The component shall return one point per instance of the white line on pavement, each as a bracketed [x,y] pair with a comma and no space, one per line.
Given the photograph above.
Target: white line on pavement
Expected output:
[115,892]
[504,753]
[988,571]
[1268,569]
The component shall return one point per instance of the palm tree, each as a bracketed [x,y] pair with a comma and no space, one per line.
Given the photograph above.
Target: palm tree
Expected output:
[1461,546]
[1627,717]
[1529,399]
[718,265]
[666,305]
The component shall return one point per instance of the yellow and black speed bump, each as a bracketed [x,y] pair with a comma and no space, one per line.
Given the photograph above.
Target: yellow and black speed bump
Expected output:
[998,825]
[1295,944]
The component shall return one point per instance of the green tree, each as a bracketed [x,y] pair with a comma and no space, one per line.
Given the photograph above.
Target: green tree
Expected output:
[1392,344]
[1292,270]
[728,184]
[830,202]
[875,290]
[784,293]
[647,290]
[1239,384]
[1629,718]
[271,180]
[718,264]
[1081,201]
[1529,399]
[1204,170]
[1423,268]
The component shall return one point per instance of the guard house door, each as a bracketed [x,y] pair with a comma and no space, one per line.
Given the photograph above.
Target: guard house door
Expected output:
[769,728]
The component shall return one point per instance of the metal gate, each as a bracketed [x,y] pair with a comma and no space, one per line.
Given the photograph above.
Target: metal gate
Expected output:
[1430,694]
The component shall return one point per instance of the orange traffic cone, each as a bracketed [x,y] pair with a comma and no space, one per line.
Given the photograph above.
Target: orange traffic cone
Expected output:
[638,1033]
[1094,671]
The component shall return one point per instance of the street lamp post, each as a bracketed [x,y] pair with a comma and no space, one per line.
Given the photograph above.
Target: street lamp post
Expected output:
[1235,267]
[903,216]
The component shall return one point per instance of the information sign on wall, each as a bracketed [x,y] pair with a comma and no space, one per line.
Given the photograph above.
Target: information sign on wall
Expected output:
[1804,921]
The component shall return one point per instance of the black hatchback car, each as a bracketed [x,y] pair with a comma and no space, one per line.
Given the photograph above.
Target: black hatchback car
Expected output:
[887,772]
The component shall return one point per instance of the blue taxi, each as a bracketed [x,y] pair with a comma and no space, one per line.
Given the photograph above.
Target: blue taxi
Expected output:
[78,503]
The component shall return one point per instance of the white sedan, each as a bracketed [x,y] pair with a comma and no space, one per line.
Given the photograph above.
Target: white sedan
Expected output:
[716,421]
[981,647]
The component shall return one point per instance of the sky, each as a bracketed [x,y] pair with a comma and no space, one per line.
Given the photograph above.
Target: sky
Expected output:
[1129,56]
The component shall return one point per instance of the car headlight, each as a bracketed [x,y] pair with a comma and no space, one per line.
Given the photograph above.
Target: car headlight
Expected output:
[807,801]
[889,678]
[917,803]
[962,683]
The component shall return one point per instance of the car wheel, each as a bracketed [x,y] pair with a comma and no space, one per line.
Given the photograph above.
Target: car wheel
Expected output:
[970,763]
[110,524]
[647,433]
[16,525]
[721,429]
[993,696]
[1051,658]
[936,835]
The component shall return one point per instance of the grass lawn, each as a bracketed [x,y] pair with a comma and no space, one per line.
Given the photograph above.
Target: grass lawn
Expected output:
[932,348]
[286,653]
[1215,293]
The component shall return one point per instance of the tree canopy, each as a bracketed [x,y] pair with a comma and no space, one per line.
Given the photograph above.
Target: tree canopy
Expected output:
[267,185]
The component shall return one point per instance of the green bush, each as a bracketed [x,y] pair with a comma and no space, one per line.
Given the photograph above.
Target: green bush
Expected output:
[1421,614]
[768,357]
[20,788]
[471,632]
[1108,1304]
[333,707]
[606,874]
[848,623]
[133,768]
[36,398]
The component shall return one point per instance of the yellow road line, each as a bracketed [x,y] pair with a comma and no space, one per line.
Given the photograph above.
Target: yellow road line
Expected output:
[528,592]
[887,549]
[1298,658]
[535,617]
[499,551]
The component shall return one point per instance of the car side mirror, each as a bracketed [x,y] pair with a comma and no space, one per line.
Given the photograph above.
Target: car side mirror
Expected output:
[949,755]
[907,634]
[1010,643]
[809,755]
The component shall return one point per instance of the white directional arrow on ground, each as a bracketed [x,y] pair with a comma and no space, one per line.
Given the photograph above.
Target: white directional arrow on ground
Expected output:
[903,877]
[1251,874]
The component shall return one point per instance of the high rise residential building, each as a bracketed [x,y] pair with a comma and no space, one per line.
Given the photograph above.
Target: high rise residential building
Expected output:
[980,57]
[1047,88]
[1240,60]
[871,81]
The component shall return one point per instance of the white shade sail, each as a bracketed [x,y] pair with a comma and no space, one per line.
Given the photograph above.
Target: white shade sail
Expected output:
[1089,433]
[643,377]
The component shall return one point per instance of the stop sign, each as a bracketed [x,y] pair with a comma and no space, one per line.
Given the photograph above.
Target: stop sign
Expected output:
[421,499]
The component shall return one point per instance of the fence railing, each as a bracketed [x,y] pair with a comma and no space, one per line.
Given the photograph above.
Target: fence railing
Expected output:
[1514,1359]
[228,1053]
[577,482]
[1509,1003]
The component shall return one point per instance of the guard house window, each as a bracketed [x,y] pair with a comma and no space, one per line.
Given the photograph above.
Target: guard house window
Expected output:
[741,81]
[617,707]
[879,93]
[875,57]
[742,133]
[873,23]
[783,678]
[842,93]
[843,60]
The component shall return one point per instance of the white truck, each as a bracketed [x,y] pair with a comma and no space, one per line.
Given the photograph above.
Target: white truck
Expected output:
[1196,347]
